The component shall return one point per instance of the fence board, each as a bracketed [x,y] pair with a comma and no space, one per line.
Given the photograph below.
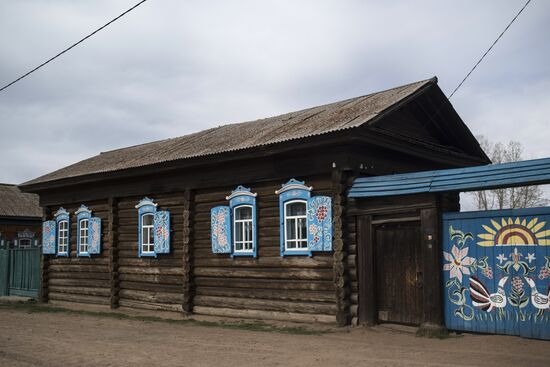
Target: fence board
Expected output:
[4,272]
[20,272]
[496,272]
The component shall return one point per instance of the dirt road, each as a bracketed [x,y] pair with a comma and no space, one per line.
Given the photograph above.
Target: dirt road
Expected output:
[60,339]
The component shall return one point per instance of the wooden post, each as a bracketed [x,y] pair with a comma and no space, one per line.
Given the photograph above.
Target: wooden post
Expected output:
[341,281]
[188,206]
[431,252]
[44,264]
[366,270]
[113,252]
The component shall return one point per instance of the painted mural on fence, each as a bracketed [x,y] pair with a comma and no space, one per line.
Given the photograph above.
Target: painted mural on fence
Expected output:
[496,273]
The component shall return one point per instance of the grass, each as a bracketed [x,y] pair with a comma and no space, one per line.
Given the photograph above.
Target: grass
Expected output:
[32,307]
[438,333]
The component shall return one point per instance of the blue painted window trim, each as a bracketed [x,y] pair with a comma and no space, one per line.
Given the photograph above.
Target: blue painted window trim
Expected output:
[62,216]
[82,213]
[145,206]
[242,196]
[291,191]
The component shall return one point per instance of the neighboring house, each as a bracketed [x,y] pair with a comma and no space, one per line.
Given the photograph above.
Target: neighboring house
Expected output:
[20,218]
[244,220]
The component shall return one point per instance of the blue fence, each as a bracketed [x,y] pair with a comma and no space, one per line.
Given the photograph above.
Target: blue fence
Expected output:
[496,272]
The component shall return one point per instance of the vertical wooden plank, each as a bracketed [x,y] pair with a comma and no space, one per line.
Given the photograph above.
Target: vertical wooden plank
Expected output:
[431,250]
[188,214]
[113,252]
[44,265]
[4,272]
[340,276]
[367,310]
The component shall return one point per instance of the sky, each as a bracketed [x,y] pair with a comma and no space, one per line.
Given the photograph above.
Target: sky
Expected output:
[171,67]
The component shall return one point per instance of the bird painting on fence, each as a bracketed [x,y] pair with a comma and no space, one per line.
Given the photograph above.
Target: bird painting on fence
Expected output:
[540,301]
[483,299]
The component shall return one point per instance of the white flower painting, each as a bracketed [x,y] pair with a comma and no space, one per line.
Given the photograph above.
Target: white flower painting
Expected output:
[459,262]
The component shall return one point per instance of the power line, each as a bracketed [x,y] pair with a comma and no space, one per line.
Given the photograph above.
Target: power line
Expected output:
[489,49]
[73,45]
[475,66]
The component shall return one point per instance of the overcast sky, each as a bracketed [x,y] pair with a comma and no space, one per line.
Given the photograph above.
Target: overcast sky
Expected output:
[174,67]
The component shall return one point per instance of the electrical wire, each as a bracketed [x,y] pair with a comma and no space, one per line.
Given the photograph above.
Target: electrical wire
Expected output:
[489,49]
[448,99]
[72,46]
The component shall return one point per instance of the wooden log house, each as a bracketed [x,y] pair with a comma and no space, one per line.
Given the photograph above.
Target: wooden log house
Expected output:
[20,218]
[245,220]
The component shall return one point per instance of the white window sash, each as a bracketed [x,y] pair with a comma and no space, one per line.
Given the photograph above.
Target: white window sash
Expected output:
[63,237]
[147,247]
[294,220]
[246,241]
[83,238]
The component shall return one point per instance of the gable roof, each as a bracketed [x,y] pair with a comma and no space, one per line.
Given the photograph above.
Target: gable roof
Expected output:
[347,114]
[14,203]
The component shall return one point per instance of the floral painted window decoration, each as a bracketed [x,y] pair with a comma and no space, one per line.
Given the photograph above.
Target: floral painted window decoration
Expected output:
[154,229]
[233,227]
[305,221]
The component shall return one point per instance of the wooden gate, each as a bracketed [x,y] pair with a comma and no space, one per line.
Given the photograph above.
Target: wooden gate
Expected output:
[398,272]
[20,272]
[496,272]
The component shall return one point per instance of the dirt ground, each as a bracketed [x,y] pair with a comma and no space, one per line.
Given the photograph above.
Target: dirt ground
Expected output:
[62,339]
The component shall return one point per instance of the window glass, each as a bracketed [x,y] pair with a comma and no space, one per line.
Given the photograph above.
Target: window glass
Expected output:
[63,237]
[296,208]
[295,225]
[148,219]
[242,227]
[147,234]
[24,243]
[83,236]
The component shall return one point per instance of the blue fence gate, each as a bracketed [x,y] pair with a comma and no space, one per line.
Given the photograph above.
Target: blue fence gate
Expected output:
[20,272]
[496,272]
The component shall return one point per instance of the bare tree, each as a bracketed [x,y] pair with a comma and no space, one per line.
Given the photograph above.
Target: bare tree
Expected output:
[516,197]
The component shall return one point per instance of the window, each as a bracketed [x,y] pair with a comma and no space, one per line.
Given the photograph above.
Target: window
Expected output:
[293,206]
[62,222]
[147,234]
[242,228]
[306,221]
[63,237]
[83,240]
[154,229]
[24,243]
[295,220]
[88,233]
[25,239]
[233,227]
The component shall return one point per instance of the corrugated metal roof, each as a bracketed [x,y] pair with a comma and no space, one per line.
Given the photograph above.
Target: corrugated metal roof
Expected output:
[532,172]
[14,203]
[319,120]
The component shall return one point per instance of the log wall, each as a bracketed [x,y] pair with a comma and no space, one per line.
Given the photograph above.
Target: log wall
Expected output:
[150,283]
[193,279]
[80,279]
[299,288]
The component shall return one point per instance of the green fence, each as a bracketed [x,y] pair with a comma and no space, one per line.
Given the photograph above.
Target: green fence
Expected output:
[20,272]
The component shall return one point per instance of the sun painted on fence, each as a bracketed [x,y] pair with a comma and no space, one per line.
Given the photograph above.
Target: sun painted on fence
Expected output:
[515,232]
[496,272]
